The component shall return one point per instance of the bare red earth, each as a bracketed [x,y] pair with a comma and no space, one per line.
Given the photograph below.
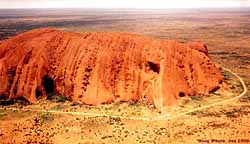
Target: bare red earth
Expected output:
[96,68]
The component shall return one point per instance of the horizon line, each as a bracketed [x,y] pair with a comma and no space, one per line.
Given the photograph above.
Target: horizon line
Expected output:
[217,7]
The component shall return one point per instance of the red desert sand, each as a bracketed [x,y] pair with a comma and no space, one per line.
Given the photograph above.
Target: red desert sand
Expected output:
[104,67]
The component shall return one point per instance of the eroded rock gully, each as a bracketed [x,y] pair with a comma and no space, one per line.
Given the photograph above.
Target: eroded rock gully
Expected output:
[104,67]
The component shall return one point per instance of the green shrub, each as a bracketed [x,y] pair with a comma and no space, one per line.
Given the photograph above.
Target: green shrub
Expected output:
[46,117]
[58,107]
[196,98]
[61,98]
[50,96]
[2,115]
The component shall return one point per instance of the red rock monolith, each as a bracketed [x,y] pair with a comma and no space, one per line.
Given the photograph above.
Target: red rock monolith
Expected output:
[104,67]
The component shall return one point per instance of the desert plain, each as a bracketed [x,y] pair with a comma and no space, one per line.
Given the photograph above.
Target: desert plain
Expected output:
[226,32]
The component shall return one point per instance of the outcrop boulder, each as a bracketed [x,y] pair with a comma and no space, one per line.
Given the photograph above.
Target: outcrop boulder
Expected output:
[104,67]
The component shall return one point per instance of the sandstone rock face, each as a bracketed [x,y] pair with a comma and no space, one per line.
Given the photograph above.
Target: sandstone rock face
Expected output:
[103,67]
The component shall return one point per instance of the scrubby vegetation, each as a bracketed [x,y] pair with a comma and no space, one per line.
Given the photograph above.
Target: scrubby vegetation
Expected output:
[46,117]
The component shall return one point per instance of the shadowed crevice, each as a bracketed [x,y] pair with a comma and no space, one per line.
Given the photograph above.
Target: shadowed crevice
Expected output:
[154,67]
[48,84]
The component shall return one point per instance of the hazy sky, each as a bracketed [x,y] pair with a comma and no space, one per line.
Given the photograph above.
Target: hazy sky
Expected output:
[121,3]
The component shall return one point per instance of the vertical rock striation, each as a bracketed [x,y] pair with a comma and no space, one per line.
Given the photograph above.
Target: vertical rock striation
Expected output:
[97,68]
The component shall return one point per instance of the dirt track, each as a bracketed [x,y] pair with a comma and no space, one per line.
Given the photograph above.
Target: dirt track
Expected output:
[163,117]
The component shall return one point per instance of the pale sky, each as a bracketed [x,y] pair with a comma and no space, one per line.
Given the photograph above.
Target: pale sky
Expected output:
[122,3]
